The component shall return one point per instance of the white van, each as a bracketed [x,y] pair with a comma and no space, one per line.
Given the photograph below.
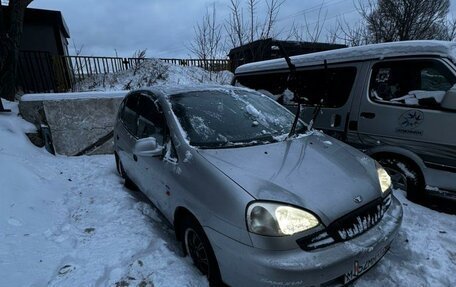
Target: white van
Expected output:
[395,101]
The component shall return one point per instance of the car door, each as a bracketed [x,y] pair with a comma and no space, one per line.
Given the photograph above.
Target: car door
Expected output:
[401,107]
[152,123]
[126,134]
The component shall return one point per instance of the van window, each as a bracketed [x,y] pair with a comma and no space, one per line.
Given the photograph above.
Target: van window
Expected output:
[336,82]
[311,84]
[274,83]
[421,83]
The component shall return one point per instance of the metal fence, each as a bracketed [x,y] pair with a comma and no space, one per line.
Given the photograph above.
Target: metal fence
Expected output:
[41,72]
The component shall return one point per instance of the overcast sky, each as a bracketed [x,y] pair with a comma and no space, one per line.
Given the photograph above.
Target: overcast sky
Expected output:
[165,27]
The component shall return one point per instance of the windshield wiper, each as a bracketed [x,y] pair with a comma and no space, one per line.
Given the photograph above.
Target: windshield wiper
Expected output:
[317,109]
[268,138]
[291,79]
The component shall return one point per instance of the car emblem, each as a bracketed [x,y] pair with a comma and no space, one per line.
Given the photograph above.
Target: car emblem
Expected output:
[358,199]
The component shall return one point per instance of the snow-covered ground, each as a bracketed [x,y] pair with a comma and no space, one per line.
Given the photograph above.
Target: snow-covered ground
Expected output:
[68,221]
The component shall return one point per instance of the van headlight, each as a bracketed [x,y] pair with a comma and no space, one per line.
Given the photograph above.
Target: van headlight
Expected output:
[383,178]
[275,219]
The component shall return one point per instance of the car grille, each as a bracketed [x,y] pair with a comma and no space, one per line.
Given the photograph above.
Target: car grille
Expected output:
[348,226]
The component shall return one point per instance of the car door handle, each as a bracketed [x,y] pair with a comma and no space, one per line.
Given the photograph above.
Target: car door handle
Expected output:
[367,115]
[135,157]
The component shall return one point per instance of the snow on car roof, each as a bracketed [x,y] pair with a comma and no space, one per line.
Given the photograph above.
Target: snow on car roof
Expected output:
[360,53]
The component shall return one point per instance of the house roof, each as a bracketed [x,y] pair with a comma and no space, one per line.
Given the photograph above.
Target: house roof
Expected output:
[361,53]
[41,16]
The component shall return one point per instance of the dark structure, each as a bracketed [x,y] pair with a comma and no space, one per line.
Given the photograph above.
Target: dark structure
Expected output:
[45,35]
[267,49]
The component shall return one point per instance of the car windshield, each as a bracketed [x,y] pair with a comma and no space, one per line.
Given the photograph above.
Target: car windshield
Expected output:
[231,118]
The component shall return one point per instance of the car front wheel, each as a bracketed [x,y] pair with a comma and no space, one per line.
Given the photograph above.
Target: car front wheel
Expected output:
[196,244]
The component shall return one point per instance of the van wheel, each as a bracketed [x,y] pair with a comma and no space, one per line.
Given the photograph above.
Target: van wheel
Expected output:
[406,176]
[128,183]
[196,244]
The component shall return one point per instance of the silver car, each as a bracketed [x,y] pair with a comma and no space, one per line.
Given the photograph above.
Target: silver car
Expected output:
[252,205]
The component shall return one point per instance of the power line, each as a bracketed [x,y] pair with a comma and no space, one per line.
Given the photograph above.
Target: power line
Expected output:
[311,9]
[323,20]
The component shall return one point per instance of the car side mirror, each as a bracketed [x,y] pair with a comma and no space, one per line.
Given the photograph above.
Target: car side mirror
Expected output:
[449,100]
[147,147]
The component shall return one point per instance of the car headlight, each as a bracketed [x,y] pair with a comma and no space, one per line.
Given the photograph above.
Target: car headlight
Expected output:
[275,219]
[383,178]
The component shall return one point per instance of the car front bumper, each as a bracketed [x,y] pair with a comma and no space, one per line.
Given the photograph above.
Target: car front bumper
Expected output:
[242,265]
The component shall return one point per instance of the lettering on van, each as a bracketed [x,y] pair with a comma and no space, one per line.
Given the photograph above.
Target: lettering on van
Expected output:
[410,121]
[409,132]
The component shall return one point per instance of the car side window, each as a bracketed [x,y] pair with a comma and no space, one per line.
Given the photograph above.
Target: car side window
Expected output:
[418,83]
[151,122]
[129,115]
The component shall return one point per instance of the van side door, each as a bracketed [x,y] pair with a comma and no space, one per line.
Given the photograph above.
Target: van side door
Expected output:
[401,107]
[334,85]
[334,90]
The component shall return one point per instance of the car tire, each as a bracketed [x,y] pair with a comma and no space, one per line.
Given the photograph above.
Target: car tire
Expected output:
[404,175]
[128,183]
[196,244]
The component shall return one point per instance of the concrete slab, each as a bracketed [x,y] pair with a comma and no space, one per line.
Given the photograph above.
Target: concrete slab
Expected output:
[76,120]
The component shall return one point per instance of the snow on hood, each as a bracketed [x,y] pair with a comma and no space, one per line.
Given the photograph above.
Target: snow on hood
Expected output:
[314,172]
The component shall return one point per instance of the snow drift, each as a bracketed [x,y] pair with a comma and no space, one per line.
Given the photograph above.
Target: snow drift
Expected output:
[153,72]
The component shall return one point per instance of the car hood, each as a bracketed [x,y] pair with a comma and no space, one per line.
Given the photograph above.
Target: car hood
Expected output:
[315,172]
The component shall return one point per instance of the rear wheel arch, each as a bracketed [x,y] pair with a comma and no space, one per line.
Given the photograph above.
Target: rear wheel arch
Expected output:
[398,152]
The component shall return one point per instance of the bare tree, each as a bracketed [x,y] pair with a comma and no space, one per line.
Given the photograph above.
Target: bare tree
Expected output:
[234,27]
[252,9]
[10,39]
[77,48]
[449,30]
[351,34]
[206,43]
[400,20]
[273,9]
[241,29]
[310,32]
[397,20]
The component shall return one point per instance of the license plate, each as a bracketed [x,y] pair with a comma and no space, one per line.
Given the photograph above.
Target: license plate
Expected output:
[361,267]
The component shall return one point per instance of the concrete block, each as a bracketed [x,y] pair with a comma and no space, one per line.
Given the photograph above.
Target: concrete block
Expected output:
[76,120]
